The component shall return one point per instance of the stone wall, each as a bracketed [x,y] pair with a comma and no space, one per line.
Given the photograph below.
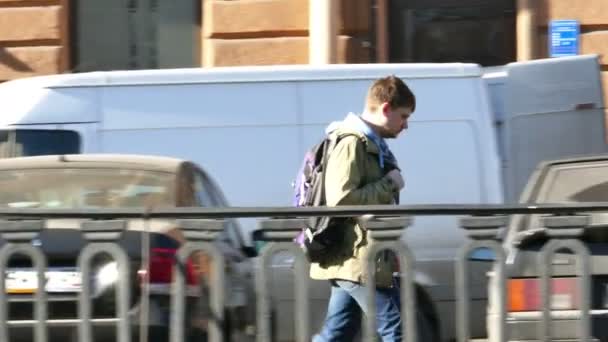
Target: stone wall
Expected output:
[33,38]
[259,32]
[34,34]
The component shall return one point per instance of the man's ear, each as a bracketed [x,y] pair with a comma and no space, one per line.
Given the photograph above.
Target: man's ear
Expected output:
[385,107]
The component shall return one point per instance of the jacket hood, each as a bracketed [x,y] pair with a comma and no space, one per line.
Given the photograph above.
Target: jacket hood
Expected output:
[343,128]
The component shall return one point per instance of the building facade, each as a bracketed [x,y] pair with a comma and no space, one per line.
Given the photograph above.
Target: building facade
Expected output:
[40,37]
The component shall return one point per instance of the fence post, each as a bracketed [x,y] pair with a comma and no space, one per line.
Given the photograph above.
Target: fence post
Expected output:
[101,237]
[386,235]
[199,234]
[280,234]
[482,232]
[19,236]
[564,232]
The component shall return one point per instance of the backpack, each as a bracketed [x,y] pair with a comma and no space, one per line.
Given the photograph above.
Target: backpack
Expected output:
[322,235]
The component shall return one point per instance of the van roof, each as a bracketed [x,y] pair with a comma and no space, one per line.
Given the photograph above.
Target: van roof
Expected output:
[251,74]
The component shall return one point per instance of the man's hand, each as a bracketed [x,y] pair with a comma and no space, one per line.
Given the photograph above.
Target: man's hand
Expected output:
[396,178]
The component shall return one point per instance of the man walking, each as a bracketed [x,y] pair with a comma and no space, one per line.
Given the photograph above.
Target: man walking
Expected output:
[361,170]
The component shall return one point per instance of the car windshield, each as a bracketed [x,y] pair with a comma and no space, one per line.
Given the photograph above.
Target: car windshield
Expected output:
[74,188]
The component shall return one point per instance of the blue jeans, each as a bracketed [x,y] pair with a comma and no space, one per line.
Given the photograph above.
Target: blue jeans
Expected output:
[343,318]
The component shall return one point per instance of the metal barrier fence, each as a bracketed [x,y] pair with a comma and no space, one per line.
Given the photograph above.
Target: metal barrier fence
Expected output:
[200,227]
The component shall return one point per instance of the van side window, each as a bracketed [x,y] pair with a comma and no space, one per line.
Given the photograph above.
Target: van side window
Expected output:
[4,144]
[35,142]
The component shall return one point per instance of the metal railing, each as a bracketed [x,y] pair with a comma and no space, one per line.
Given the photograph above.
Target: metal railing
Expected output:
[200,227]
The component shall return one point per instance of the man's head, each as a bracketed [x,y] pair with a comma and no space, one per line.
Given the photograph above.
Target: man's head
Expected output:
[388,106]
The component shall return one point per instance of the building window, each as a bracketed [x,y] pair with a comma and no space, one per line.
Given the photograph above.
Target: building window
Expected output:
[471,31]
[134,34]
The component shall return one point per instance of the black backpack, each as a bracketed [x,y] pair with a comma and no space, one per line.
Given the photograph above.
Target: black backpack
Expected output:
[322,236]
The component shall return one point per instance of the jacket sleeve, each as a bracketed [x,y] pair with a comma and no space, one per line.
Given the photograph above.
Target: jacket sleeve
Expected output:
[344,177]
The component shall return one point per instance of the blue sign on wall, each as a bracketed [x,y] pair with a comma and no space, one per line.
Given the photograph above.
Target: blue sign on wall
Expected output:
[563,38]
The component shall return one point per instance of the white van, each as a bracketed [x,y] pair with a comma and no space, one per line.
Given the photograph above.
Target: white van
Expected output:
[249,128]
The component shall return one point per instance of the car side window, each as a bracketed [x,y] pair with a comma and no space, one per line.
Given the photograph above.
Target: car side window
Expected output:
[207,192]
[203,192]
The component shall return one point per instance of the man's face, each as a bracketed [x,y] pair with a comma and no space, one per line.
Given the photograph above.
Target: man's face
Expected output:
[395,120]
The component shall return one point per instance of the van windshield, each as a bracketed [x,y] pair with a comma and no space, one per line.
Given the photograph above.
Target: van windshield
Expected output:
[35,142]
[75,188]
